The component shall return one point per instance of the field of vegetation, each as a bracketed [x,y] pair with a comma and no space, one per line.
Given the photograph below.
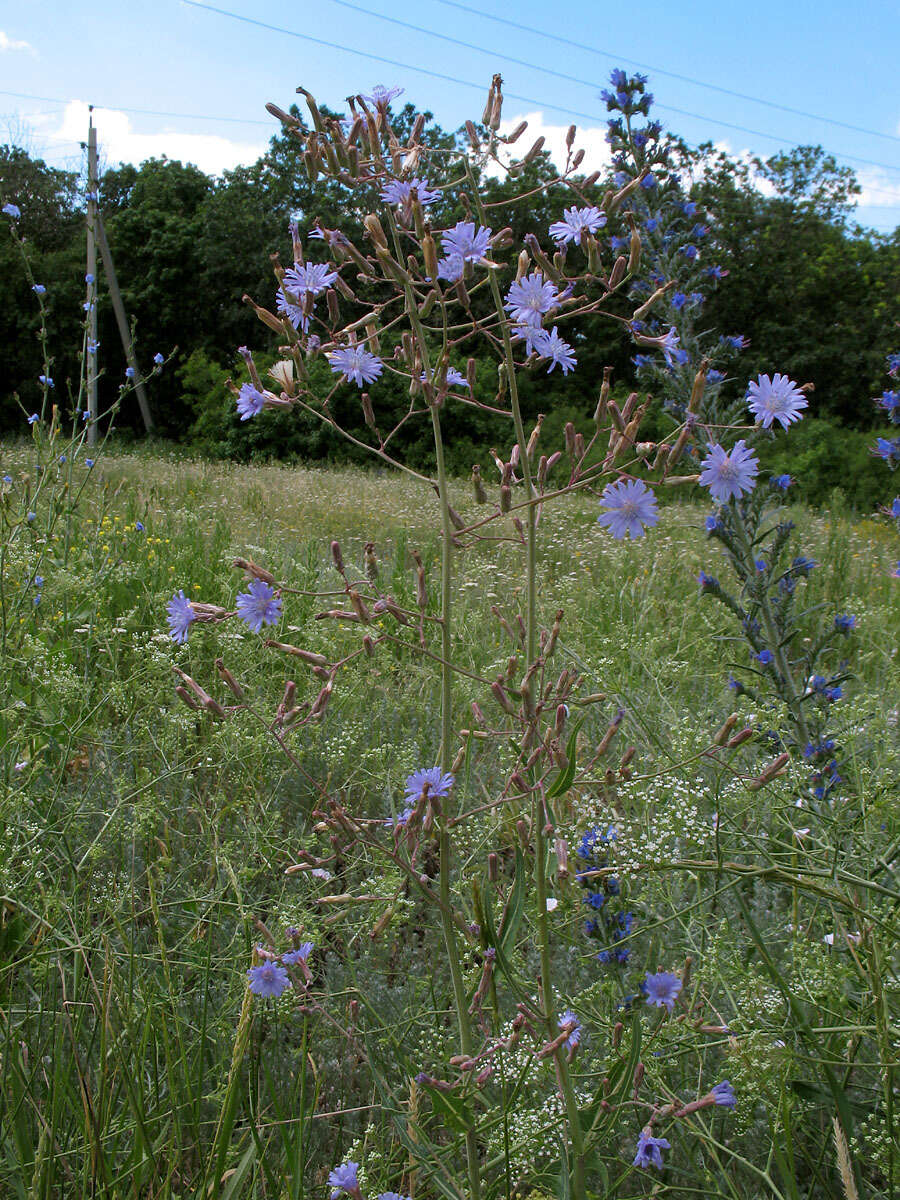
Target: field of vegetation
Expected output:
[513,817]
[145,848]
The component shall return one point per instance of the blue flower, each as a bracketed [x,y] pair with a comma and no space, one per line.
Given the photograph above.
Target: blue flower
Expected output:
[88,462]
[775,399]
[651,224]
[844,622]
[716,272]
[595,899]
[724,1094]
[531,298]
[250,402]
[729,475]
[708,583]
[895,507]
[569,1021]
[575,223]
[631,506]
[765,657]
[661,989]
[308,279]
[180,616]
[438,783]
[649,1150]
[466,242]
[453,377]
[781,481]
[648,182]
[356,364]
[38,581]
[129,372]
[89,278]
[803,565]
[887,448]
[679,299]
[381,97]
[560,353]
[889,401]
[344,1179]
[139,526]
[736,341]
[259,605]
[158,359]
[39,289]
[399,191]
[12,210]
[301,954]
[268,980]
[29,517]
[451,268]
[711,523]
[690,252]
[46,381]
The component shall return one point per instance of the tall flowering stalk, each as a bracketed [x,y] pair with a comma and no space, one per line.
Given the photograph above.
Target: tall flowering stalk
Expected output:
[407,310]
[677,242]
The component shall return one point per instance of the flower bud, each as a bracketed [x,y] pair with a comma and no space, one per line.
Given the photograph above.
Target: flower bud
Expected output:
[375,231]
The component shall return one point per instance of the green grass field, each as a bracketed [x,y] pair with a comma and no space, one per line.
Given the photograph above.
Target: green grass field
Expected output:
[144,850]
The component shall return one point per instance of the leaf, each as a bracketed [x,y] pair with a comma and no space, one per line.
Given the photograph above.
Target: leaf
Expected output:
[456,1111]
[564,779]
[515,905]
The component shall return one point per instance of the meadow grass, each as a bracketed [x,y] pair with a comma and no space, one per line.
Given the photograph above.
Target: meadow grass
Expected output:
[145,848]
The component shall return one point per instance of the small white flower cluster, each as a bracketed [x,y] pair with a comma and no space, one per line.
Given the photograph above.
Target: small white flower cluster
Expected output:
[663,820]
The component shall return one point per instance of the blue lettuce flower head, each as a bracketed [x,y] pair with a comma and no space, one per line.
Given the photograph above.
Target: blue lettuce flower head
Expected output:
[438,784]
[776,399]
[631,508]
[259,605]
[649,1150]
[661,989]
[344,1178]
[729,475]
[268,980]
[180,615]
[724,1094]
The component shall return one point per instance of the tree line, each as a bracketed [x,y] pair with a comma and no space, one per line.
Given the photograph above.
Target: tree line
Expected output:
[817,295]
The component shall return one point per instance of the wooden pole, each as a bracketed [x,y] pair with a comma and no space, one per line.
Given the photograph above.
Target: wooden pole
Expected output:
[91,278]
[122,321]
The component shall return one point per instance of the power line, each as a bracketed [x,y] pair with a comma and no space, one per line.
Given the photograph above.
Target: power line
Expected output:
[480,87]
[146,112]
[554,37]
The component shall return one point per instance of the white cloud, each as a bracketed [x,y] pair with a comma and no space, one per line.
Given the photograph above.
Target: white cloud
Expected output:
[8,43]
[590,138]
[118,142]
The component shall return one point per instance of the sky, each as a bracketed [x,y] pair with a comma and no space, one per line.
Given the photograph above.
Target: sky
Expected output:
[180,79]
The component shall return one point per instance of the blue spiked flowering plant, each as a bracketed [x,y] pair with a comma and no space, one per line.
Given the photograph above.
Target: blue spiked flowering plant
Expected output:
[409,306]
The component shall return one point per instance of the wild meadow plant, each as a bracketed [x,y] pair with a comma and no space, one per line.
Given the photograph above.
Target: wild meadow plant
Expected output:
[545,1080]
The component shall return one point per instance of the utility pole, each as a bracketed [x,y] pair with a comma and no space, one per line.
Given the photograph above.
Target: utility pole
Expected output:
[91,279]
[96,237]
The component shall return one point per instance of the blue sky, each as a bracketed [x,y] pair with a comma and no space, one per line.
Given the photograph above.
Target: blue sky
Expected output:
[822,58]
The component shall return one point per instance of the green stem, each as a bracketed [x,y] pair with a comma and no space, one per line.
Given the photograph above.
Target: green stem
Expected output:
[772,634]
[449,933]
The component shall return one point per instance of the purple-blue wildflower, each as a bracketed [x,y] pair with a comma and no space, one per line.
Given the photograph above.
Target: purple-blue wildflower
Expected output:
[259,605]
[724,1094]
[575,223]
[649,1150]
[439,784]
[775,399]
[12,210]
[180,616]
[356,364]
[39,289]
[466,242]
[382,96]
[301,954]
[46,381]
[560,353]
[661,989]
[781,481]
[344,1179]
[250,402]
[399,191]
[844,622]
[729,475]
[268,980]
[765,657]
[631,506]
[531,298]
[308,279]
[453,378]
[568,1021]
[158,359]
